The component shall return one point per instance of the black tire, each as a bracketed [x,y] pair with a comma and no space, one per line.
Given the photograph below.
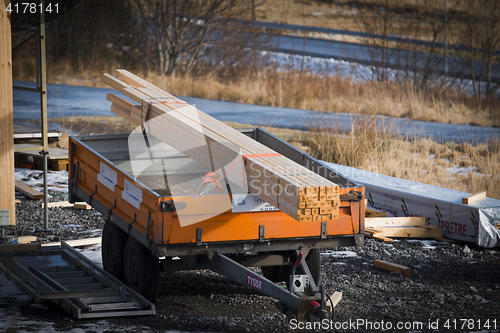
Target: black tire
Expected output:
[277,273]
[142,270]
[313,261]
[113,247]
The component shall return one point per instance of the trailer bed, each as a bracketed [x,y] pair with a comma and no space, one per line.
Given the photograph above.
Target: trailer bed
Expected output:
[101,168]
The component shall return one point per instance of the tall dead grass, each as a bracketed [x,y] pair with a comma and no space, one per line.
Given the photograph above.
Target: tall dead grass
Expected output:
[462,167]
[336,94]
[302,91]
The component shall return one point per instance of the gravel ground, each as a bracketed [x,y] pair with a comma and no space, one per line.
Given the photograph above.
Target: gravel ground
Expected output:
[449,283]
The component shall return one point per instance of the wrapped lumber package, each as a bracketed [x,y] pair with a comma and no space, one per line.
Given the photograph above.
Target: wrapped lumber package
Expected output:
[232,157]
[459,217]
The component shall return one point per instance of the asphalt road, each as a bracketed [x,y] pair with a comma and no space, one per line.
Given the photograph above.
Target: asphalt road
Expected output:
[414,61]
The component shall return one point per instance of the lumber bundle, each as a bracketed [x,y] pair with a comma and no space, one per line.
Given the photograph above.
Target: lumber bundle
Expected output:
[290,187]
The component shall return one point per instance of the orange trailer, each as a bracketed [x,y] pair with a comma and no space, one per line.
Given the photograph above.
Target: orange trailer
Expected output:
[143,236]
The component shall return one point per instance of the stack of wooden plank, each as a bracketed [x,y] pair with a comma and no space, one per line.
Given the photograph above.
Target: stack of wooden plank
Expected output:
[290,187]
[382,228]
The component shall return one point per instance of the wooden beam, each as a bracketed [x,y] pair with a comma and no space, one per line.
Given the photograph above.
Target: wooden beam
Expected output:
[26,239]
[77,205]
[474,197]
[389,266]
[82,205]
[411,232]
[7,197]
[28,191]
[376,222]
[335,299]
[370,212]
[77,242]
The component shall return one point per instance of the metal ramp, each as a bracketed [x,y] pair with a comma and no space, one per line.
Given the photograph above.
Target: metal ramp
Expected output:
[73,282]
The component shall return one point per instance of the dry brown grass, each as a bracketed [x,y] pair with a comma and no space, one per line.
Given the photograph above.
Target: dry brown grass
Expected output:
[421,160]
[334,94]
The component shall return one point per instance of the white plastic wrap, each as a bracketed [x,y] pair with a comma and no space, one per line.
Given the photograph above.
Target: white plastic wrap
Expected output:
[440,206]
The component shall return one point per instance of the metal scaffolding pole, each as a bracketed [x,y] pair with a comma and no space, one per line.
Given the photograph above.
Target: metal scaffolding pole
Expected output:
[43,104]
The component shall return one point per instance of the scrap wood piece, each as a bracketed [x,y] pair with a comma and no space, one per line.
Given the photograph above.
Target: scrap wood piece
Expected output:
[370,212]
[77,205]
[82,205]
[335,299]
[28,191]
[380,238]
[389,266]
[26,239]
[77,242]
[473,198]
[395,222]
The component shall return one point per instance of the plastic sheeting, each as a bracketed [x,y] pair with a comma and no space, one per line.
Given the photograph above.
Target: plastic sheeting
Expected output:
[440,206]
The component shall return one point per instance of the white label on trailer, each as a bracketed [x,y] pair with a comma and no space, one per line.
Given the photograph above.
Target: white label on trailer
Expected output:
[132,194]
[108,177]
[249,203]
[4,216]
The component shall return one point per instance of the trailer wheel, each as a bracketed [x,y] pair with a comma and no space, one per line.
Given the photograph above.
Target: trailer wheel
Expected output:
[142,270]
[313,261]
[276,273]
[282,273]
[113,245]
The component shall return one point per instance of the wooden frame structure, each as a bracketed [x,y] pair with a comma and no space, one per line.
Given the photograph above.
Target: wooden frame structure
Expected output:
[7,197]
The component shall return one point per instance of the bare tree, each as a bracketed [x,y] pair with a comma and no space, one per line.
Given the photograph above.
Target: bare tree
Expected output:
[378,20]
[173,34]
[480,34]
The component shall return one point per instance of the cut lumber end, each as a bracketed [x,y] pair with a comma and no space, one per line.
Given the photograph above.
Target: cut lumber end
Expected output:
[473,198]
[333,301]
[389,266]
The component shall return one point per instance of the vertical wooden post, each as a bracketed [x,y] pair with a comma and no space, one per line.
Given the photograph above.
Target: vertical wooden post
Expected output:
[7,187]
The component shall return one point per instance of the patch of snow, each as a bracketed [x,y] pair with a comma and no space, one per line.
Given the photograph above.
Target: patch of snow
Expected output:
[93,253]
[431,156]
[34,178]
[427,244]
[456,170]
[339,254]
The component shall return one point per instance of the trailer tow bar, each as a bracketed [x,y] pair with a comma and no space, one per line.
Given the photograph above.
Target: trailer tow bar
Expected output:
[305,298]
